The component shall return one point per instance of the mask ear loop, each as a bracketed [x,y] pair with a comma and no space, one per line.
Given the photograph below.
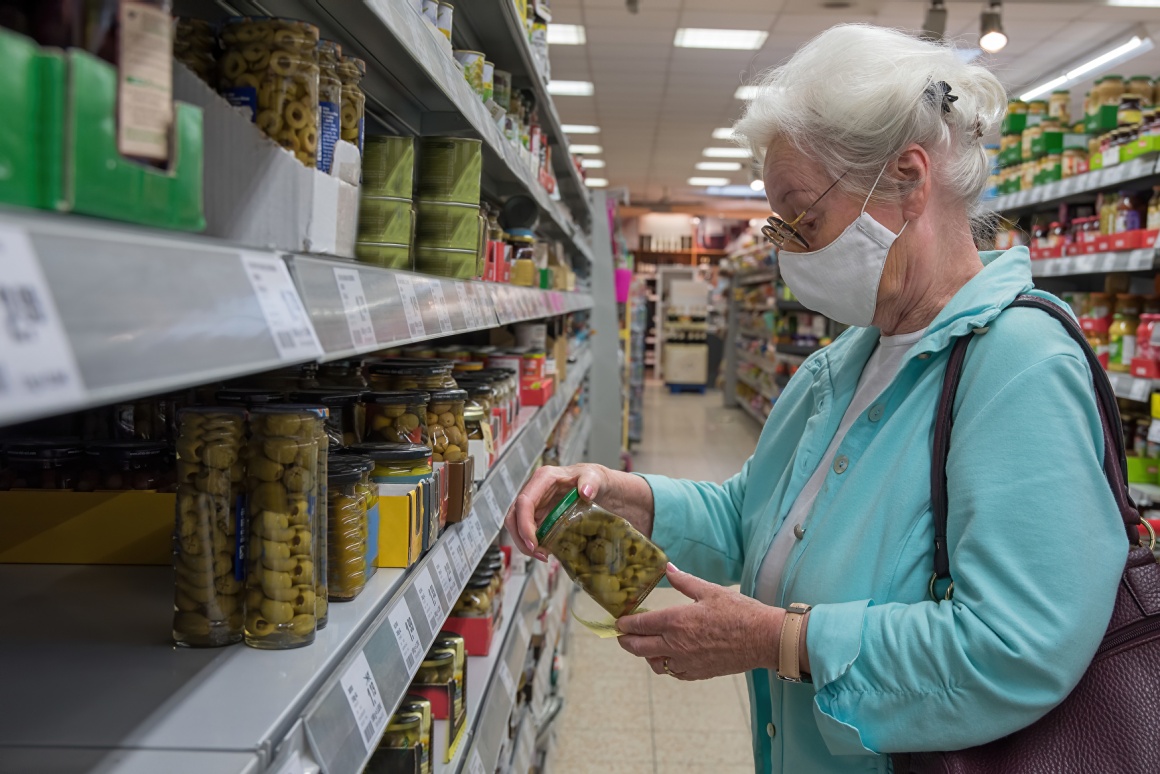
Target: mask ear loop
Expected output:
[881,172]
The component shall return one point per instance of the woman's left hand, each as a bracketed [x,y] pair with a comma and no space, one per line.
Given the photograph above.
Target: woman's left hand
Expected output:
[722,633]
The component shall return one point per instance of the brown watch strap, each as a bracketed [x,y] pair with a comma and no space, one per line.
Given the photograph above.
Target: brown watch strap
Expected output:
[789,650]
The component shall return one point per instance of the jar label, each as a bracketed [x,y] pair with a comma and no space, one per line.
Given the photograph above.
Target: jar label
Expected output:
[329,130]
[244,97]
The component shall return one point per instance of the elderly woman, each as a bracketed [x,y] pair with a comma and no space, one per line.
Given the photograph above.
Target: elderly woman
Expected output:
[874,164]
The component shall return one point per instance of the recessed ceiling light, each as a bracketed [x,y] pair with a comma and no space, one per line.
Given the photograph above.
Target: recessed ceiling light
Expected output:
[745,92]
[570,88]
[706,181]
[732,191]
[725,153]
[566,35]
[580,129]
[718,166]
[726,132]
[592,163]
[591,150]
[992,39]
[741,40]
[596,182]
[757,185]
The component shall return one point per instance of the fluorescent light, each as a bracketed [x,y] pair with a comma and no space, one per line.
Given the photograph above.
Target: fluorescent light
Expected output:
[580,129]
[706,181]
[1105,61]
[757,185]
[591,150]
[570,88]
[566,35]
[741,40]
[725,153]
[1134,3]
[745,92]
[718,166]
[592,163]
[732,191]
[726,132]
[596,182]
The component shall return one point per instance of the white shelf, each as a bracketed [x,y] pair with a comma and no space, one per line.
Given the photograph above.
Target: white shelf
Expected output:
[577,441]
[1087,183]
[1132,387]
[765,364]
[1145,494]
[756,386]
[1095,263]
[744,405]
[101,638]
[756,278]
[28,760]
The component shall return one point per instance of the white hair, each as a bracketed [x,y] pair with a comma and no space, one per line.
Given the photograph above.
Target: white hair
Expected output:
[855,96]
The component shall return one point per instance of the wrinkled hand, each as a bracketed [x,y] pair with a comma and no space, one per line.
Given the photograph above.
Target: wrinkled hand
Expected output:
[544,490]
[722,633]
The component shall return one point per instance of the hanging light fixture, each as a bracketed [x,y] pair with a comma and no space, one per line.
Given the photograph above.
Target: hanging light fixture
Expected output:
[934,25]
[992,39]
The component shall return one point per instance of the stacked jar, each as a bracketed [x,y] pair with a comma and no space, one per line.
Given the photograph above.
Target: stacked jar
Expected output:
[397,416]
[351,71]
[329,102]
[451,230]
[193,46]
[347,524]
[386,220]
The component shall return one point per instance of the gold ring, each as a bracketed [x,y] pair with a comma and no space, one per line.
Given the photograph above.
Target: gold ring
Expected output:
[666,666]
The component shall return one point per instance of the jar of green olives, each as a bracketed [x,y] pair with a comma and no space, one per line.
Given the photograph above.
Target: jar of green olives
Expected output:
[351,71]
[396,460]
[319,509]
[413,705]
[411,374]
[403,731]
[342,375]
[270,65]
[347,527]
[123,465]
[445,425]
[44,463]
[347,414]
[193,46]
[438,668]
[207,560]
[496,583]
[248,397]
[396,416]
[282,496]
[476,599]
[614,563]
[329,101]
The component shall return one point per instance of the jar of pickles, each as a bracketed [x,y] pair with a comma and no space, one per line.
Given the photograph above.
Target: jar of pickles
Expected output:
[44,463]
[445,425]
[397,416]
[123,465]
[614,563]
[403,731]
[282,496]
[329,102]
[346,414]
[476,599]
[420,706]
[351,71]
[270,65]
[193,46]
[347,527]
[396,460]
[411,374]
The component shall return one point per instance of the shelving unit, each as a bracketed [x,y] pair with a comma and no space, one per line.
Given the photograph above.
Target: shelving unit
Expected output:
[1095,263]
[1077,187]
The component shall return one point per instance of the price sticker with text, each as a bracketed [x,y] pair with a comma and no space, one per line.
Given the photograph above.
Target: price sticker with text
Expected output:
[362,693]
[505,677]
[354,304]
[444,572]
[489,497]
[406,635]
[506,478]
[411,309]
[479,535]
[481,305]
[441,310]
[523,454]
[432,607]
[278,299]
[458,554]
[476,765]
[470,319]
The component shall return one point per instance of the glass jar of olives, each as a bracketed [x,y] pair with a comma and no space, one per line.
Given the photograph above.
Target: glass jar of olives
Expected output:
[282,495]
[403,731]
[248,397]
[351,71]
[411,374]
[329,101]
[614,563]
[347,414]
[122,465]
[396,460]
[193,46]
[476,599]
[44,463]
[397,416]
[207,560]
[347,527]
[342,375]
[438,668]
[445,425]
[415,705]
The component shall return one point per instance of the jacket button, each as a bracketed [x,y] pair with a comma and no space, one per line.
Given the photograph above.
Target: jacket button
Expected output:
[924,356]
[771,729]
[799,531]
[876,412]
[840,464]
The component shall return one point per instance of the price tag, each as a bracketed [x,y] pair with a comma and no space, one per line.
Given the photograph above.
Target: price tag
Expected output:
[1140,259]
[407,637]
[411,308]
[441,309]
[444,572]
[505,677]
[506,478]
[362,693]
[1106,261]
[480,535]
[500,514]
[459,555]
[432,607]
[1140,389]
[278,298]
[354,303]
[476,764]
[37,366]
[1050,191]
[522,629]
[525,463]
[470,318]
[1084,264]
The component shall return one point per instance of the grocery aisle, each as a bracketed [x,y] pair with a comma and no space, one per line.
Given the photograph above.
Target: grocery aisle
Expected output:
[619,717]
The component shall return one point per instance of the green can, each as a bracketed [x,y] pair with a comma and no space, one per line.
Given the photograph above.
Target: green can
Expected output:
[448,226]
[383,219]
[450,169]
[387,256]
[388,166]
[460,264]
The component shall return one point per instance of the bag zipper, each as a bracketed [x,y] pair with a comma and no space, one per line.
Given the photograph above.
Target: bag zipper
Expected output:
[1132,632]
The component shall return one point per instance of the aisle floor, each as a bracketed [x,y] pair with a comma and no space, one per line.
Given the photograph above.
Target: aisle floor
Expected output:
[619,717]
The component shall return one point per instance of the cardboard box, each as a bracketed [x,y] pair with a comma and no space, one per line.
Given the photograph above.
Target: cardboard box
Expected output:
[300,210]
[460,478]
[536,392]
[477,633]
[401,525]
[1145,368]
[32,82]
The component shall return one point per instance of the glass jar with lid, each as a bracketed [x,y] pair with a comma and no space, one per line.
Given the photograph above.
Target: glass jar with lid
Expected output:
[404,731]
[351,71]
[1037,107]
[1059,105]
[342,375]
[1073,160]
[248,397]
[398,416]
[347,528]
[193,45]
[417,705]
[329,101]
[346,414]
[396,460]
[467,368]
[124,465]
[495,584]
[1141,85]
[411,374]
[613,562]
[1130,113]
[1111,88]
[1016,107]
[478,426]
[445,426]
[476,599]
[438,668]
[44,463]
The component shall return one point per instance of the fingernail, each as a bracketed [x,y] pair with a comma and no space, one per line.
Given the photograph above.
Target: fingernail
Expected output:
[531,546]
[672,567]
[587,491]
[541,556]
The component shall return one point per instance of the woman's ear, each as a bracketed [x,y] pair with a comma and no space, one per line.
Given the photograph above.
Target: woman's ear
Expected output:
[912,173]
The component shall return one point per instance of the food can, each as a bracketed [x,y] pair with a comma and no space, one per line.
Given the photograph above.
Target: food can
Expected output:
[450,169]
[445,18]
[488,91]
[502,89]
[472,63]
[447,226]
[459,264]
[431,11]
[385,220]
[388,166]
[388,256]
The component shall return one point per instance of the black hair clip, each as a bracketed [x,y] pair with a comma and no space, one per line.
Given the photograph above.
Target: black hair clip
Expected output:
[947,97]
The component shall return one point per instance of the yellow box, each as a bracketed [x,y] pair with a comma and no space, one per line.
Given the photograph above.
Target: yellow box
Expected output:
[400,525]
[45,527]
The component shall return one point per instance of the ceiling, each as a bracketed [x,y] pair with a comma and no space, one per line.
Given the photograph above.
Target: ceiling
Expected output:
[657,105]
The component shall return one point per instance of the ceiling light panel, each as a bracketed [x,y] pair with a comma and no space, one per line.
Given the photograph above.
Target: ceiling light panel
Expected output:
[737,40]
[596,182]
[745,92]
[566,35]
[718,166]
[725,153]
[592,163]
[726,132]
[1134,3]
[707,181]
[570,88]
[591,150]
[580,129]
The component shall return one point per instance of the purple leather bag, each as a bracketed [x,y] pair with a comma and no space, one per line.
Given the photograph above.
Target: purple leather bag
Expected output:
[1110,722]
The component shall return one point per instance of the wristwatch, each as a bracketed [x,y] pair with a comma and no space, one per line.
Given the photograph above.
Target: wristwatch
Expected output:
[789,659]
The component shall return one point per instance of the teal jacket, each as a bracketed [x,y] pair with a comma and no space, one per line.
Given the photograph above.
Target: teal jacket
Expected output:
[1036,544]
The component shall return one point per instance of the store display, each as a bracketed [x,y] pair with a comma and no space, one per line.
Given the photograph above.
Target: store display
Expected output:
[445,425]
[397,416]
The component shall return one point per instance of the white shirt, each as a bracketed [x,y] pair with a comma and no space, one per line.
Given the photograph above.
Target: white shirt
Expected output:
[879,371]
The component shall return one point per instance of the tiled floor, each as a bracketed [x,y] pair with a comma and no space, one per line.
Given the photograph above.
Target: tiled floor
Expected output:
[619,717]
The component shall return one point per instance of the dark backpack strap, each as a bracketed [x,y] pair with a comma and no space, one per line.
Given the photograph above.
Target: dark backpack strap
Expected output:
[1115,462]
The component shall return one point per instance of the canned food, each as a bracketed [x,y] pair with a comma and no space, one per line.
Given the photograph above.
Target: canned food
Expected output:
[388,166]
[502,89]
[472,64]
[460,264]
[431,11]
[448,226]
[446,19]
[450,169]
[386,255]
[488,91]
[384,220]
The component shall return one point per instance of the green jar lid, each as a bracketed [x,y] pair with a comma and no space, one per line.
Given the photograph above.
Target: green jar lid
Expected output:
[556,513]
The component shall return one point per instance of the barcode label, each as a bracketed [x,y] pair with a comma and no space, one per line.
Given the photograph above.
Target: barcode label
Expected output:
[492,503]
[429,598]
[362,693]
[465,306]
[458,555]
[446,575]
[354,304]
[441,309]
[278,299]
[509,485]
[411,308]
[37,366]
[406,636]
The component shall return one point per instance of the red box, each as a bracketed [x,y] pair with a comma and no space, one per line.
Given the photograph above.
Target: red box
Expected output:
[1041,253]
[1103,244]
[1145,368]
[1126,240]
[476,632]
[536,392]
[1148,238]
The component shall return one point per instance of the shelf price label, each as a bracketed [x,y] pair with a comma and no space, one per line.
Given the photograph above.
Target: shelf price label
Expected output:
[432,607]
[482,304]
[476,764]
[458,554]
[37,365]
[478,535]
[492,503]
[354,304]
[406,635]
[470,319]
[525,463]
[507,482]
[444,572]
[411,309]
[505,677]
[362,693]
[278,299]
[441,309]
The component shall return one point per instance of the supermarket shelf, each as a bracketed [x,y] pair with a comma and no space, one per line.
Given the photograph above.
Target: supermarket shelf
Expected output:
[1078,186]
[1095,263]
[757,277]
[756,386]
[1145,494]
[744,405]
[577,442]
[130,688]
[795,351]
[792,306]
[759,333]
[30,760]
[1132,387]
[756,308]
[765,364]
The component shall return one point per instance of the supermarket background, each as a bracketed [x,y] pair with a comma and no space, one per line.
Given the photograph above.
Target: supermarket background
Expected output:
[294,296]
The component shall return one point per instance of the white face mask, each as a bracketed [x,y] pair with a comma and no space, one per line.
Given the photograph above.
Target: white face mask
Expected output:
[841,279]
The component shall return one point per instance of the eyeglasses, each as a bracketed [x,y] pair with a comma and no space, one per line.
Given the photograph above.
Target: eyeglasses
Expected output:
[779,231]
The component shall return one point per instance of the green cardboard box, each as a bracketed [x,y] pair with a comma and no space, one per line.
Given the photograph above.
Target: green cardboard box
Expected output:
[1014,123]
[31,91]
[1103,120]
